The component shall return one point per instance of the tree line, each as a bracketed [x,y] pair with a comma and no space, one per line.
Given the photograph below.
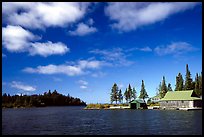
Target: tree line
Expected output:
[181,84]
[47,99]
[129,94]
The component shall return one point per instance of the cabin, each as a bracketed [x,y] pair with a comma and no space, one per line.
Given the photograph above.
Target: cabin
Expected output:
[155,99]
[180,99]
[138,104]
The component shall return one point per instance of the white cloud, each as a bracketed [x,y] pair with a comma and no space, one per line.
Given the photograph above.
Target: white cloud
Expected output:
[17,39]
[145,49]
[78,68]
[21,86]
[175,48]
[83,87]
[89,64]
[55,69]
[114,57]
[83,84]
[48,48]
[83,29]
[130,16]
[43,14]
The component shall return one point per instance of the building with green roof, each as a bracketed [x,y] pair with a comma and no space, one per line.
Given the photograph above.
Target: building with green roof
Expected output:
[181,99]
[138,104]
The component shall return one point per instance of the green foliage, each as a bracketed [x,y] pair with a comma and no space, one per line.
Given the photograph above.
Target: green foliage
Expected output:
[143,93]
[114,93]
[163,88]
[120,96]
[48,99]
[169,87]
[134,93]
[179,83]
[188,80]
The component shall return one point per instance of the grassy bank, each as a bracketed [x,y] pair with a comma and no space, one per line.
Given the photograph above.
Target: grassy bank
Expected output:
[102,106]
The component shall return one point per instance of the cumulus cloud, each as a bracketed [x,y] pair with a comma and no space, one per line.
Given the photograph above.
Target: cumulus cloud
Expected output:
[17,39]
[21,86]
[43,14]
[83,29]
[48,48]
[175,48]
[130,16]
[78,68]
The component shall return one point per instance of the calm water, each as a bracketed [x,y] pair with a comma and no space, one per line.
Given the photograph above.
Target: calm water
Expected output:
[76,121]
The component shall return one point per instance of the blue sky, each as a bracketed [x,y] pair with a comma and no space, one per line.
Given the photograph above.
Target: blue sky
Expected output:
[81,49]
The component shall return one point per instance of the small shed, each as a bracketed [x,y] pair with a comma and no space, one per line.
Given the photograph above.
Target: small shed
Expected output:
[181,99]
[138,104]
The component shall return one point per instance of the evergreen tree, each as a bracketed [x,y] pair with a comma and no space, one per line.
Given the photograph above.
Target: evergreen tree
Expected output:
[134,93]
[200,84]
[143,93]
[120,96]
[126,95]
[196,84]
[129,92]
[188,80]
[179,83]
[114,93]
[163,88]
[169,87]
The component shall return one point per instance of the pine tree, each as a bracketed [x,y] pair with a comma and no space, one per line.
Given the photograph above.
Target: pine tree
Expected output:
[163,88]
[169,87]
[143,93]
[188,80]
[196,84]
[134,93]
[126,95]
[114,93]
[129,92]
[120,96]
[179,83]
[200,84]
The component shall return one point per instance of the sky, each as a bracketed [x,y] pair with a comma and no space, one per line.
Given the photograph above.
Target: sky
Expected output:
[82,49]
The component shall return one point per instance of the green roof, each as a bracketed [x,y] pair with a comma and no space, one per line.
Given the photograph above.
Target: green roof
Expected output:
[137,101]
[180,95]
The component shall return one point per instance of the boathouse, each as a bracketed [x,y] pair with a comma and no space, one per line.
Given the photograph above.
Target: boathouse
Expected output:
[138,104]
[180,99]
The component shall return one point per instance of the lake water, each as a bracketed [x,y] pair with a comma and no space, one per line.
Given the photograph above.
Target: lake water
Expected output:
[76,121]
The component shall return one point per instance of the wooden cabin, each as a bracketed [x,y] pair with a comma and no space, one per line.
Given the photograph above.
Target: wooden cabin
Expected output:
[180,99]
[138,104]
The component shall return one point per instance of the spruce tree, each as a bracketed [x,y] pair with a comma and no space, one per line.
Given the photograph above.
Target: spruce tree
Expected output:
[200,84]
[134,93]
[188,80]
[126,95]
[129,91]
[197,84]
[120,96]
[163,88]
[143,93]
[169,87]
[179,82]
[114,93]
